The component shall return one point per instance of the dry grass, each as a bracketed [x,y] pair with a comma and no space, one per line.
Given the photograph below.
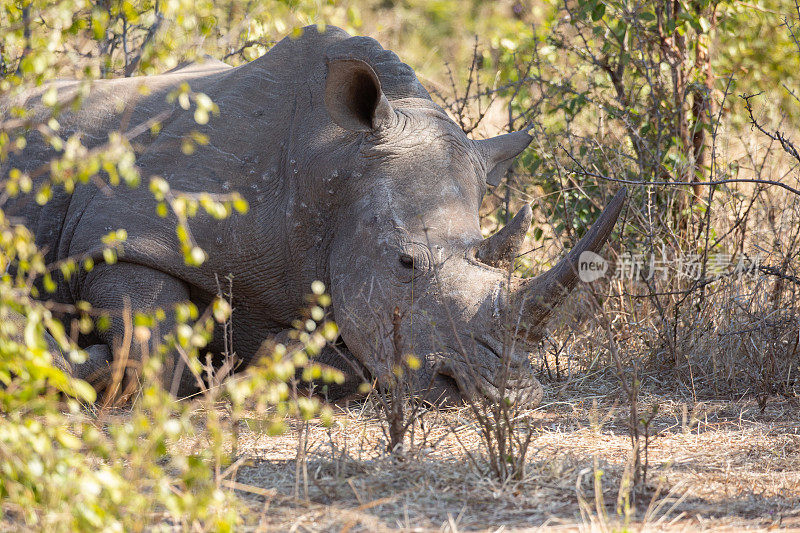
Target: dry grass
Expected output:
[714,466]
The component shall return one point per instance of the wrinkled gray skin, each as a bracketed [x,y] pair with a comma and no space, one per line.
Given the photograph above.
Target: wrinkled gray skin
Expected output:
[353,176]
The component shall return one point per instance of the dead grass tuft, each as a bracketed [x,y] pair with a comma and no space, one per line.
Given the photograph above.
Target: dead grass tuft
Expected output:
[714,465]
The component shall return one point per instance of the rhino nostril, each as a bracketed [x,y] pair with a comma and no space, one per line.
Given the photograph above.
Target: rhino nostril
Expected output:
[446,381]
[406,260]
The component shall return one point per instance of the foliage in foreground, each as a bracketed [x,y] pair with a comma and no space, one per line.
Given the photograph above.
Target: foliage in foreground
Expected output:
[70,460]
[68,465]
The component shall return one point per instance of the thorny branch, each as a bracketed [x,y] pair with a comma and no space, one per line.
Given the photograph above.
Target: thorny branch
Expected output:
[784,141]
[583,171]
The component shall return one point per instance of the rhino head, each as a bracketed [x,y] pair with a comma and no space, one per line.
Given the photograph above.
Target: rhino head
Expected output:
[409,242]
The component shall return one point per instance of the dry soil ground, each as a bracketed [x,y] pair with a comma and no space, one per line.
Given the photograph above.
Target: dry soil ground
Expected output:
[715,465]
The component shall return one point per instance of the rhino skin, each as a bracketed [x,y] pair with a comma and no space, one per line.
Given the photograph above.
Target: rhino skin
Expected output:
[354,177]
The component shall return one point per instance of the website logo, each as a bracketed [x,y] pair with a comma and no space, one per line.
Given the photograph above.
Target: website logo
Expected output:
[591,267]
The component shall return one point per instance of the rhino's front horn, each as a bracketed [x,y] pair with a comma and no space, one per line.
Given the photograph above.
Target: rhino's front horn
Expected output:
[535,299]
[500,249]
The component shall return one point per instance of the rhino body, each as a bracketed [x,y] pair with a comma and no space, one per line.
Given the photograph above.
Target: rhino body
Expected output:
[353,177]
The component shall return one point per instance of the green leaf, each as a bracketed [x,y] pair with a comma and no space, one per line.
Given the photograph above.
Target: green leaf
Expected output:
[598,11]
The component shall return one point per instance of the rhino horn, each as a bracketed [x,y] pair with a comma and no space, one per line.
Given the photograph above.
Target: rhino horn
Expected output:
[500,152]
[500,249]
[535,299]
[353,96]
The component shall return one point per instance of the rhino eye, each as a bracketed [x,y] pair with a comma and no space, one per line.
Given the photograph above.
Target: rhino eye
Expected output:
[406,261]
[413,261]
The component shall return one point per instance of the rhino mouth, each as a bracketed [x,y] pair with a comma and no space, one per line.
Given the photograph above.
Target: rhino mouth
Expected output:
[450,377]
[443,391]
[490,375]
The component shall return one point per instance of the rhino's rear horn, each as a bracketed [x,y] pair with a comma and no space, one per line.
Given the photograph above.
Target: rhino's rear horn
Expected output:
[502,248]
[353,96]
[500,152]
[535,299]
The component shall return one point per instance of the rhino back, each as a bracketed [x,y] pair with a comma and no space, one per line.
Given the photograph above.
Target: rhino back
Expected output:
[272,141]
[110,105]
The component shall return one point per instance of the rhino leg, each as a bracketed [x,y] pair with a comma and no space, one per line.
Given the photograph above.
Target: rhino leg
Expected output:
[335,356]
[136,288]
[96,370]
[340,358]
[92,370]
[60,361]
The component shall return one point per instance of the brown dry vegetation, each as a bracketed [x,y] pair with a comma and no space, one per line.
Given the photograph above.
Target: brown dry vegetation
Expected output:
[716,465]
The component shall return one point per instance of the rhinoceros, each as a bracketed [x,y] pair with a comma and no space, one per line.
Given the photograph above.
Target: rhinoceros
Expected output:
[354,177]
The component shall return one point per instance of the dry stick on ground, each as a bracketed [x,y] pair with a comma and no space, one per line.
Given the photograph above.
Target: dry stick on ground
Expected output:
[229,359]
[120,366]
[638,425]
[397,427]
[301,458]
[392,393]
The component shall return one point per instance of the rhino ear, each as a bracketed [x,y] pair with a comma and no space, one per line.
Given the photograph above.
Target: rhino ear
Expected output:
[353,96]
[500,153]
